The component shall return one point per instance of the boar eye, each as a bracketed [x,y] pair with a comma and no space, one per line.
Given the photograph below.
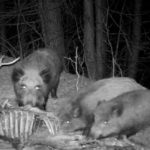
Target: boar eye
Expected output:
[38,87]
[67,122]
[23,86]
[106,122]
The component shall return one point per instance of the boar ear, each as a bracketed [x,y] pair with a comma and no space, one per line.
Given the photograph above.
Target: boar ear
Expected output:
[117,109]
[101,102]
[46,75]
[16,74]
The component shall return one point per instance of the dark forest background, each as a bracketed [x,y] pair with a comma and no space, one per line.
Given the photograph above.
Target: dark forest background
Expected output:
[96,38]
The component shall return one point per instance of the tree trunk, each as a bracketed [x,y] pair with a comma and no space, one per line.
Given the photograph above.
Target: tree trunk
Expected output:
[89,49]
[52,30]
[2,33]
[2,39]
[23,40]
[100,38]
[136,45]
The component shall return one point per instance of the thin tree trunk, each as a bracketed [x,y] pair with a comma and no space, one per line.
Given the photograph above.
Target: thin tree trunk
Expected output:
[51,25]
[2,33]
[100,38]
[89,49]
[2,38]
[136,45]
[23,39]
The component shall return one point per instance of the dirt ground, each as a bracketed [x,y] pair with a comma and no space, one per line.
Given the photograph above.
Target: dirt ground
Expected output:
[68,87]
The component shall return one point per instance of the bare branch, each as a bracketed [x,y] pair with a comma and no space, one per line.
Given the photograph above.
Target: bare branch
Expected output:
[7,63]
[76,66]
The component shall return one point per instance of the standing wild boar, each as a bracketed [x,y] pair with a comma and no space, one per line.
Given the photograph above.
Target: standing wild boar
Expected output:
[124,115]
[35,77]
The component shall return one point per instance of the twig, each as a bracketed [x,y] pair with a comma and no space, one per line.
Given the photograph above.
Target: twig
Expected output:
[8,63]
[76,67]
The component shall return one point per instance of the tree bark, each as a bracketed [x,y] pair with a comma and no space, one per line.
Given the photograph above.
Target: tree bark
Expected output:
[136,39]
[89,48]
[2,33]
[52,30]
[100,38]
[23,40]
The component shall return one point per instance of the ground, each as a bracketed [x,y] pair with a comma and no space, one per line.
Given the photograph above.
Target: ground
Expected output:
[68,87]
